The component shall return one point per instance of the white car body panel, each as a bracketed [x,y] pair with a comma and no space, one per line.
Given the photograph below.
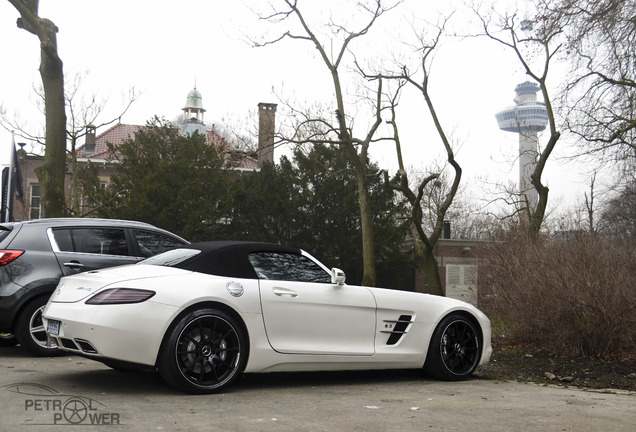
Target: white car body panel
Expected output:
[290,326]
[309,318]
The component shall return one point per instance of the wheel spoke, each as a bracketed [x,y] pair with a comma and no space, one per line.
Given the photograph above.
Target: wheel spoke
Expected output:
[38,329]
[191,339]
[213,370]
[202,369]
[190,367]
[221,338]
[202,333]
[186,351]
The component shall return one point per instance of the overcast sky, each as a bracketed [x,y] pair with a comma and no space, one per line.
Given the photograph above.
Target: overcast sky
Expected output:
[161,47]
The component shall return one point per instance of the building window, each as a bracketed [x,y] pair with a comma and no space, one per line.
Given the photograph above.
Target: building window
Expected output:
[87,202]
[34,212]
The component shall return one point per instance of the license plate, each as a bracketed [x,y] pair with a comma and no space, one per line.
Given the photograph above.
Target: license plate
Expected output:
[53,327]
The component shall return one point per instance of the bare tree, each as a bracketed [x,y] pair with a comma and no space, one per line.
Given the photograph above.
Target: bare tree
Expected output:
[83,114]
[416,195]
[51,176]
[601,92]
[339,130]
[535,41]
[618,217]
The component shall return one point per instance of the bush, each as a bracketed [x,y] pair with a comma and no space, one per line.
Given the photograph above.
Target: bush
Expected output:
[574,296]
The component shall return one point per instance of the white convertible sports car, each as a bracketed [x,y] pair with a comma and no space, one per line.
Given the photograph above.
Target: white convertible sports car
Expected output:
[206,312]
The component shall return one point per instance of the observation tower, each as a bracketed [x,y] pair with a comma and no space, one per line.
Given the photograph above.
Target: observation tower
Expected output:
[527,118]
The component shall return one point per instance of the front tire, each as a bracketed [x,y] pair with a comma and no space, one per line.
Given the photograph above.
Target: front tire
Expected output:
[454,350]
[203,352]
[30,331]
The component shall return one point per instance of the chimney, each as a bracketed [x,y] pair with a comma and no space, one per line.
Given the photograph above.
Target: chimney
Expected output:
[89,142]
[266,130]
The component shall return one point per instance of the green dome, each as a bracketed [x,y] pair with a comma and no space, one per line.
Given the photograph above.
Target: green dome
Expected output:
[194,100]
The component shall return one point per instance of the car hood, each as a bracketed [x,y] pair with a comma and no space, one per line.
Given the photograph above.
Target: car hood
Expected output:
[83,285]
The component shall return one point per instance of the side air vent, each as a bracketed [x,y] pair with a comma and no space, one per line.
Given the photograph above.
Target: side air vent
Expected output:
[398,328]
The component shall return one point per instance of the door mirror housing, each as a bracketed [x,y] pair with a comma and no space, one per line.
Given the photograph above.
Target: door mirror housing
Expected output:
[338,277]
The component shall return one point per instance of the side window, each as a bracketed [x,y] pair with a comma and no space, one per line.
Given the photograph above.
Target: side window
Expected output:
[287,267]
[34,213]
[63,239]
[106,241]
[151,243]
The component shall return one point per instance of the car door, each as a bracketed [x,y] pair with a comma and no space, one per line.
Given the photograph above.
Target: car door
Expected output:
[80,249]
[304,313]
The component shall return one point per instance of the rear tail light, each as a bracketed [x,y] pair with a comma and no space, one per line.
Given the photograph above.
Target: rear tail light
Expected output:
[120,296]
[6,256]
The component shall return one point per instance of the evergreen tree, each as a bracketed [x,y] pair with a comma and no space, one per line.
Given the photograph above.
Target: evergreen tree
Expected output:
[311,202]
[172,181]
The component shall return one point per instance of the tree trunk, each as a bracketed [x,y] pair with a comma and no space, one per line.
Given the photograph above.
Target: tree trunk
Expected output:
[433,280]
[51,175]
[53,172]
[366,220]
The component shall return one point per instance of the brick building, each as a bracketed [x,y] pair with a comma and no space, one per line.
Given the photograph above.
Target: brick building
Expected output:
[95,150]
[457,261]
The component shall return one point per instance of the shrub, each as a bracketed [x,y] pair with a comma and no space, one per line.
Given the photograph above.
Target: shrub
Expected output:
[573,296]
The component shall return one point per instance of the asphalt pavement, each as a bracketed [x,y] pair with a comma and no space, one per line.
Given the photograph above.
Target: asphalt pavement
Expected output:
[49,394]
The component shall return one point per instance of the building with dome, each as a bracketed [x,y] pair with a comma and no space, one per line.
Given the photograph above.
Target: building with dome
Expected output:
[193,114]
[95,150]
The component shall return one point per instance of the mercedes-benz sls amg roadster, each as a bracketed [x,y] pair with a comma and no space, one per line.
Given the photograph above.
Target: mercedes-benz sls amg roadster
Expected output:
[205,313]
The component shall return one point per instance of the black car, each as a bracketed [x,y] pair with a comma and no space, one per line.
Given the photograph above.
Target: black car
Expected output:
[34,255]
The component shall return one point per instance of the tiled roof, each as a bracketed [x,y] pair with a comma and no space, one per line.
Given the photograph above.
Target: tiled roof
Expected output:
[116,135]
[119,133]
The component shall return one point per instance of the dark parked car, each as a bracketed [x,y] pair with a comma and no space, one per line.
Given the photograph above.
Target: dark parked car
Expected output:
[34,255]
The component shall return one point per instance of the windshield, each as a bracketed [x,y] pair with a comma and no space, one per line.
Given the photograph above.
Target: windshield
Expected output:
[170,258]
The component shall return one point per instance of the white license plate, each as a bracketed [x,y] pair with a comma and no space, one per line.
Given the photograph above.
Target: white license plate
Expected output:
[53,327]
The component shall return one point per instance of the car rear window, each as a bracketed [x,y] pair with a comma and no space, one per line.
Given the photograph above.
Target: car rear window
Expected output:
[106,241]
[5,230]
[152,243]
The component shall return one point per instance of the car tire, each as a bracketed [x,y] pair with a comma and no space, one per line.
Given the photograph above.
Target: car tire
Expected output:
[8,340]
[30,331]
[454,350]
[203,352]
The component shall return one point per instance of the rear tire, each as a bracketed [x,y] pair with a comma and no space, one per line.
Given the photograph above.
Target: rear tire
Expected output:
[203,352]
[454,350]
[30,331]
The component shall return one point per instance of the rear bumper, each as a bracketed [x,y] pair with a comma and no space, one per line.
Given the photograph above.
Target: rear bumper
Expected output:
[111,331]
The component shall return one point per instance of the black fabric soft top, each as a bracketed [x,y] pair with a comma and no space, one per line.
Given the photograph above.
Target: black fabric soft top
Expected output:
[229,258]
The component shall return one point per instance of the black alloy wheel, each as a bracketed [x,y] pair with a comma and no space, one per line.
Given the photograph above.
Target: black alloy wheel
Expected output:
[203,353]
[455,349]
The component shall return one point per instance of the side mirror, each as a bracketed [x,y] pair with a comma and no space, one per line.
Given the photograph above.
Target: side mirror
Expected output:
[338,276]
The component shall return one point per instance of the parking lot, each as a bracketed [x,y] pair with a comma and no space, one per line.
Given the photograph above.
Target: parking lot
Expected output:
[38,394]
